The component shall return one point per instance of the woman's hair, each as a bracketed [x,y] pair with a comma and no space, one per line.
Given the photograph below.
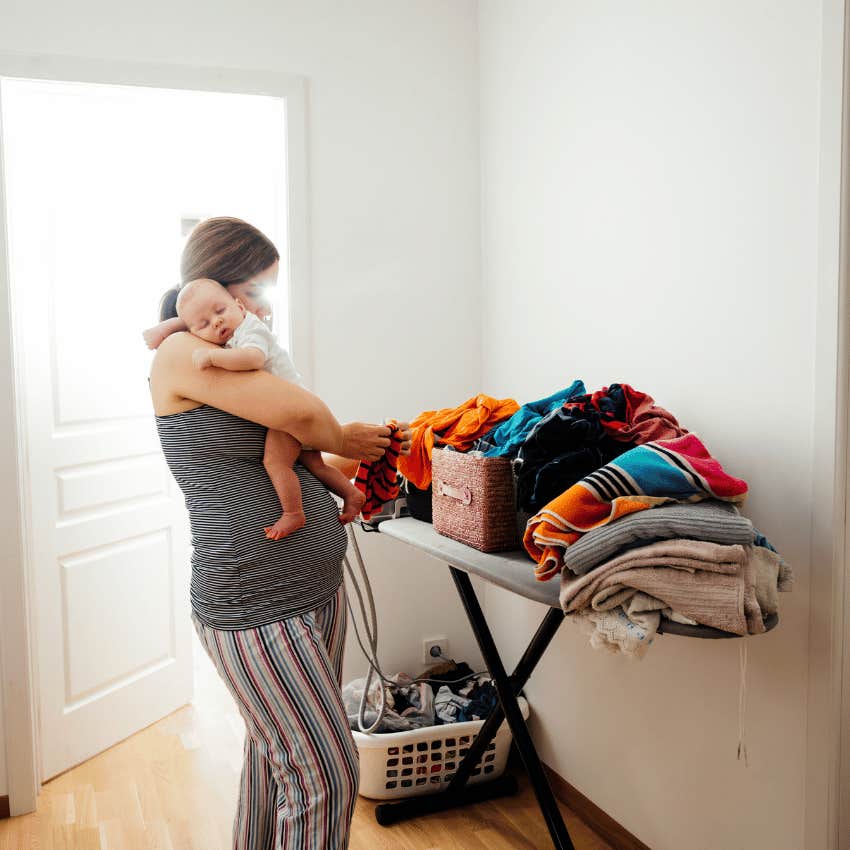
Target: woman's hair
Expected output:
[227,250]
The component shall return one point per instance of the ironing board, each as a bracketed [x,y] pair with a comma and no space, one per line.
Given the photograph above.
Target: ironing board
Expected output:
[511,571]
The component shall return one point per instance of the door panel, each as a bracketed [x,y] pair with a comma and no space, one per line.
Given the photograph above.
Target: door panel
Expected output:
[97,192]
[108,528]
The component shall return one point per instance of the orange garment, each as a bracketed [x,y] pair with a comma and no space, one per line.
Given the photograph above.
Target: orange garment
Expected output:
[453,426]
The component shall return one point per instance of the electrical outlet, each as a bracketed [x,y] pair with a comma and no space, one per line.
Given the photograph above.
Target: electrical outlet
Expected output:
[430,643]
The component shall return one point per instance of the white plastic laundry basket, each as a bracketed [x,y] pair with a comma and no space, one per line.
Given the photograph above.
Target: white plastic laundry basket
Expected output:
[422,761]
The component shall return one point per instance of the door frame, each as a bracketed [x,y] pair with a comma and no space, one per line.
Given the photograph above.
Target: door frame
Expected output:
[18,672]
[827,781]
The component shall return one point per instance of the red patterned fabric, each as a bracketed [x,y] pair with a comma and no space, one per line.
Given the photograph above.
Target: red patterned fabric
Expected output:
[378,480]
[643,420]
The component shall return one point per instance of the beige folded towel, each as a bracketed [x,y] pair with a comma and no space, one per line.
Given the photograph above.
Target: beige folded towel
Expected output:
[690,555]
[710,583]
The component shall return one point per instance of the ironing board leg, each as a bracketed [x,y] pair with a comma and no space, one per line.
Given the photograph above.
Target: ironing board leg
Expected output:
[533,653]
[507,698]
[458,793]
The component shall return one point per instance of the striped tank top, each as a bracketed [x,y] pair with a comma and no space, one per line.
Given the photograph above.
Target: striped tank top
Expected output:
[240,580]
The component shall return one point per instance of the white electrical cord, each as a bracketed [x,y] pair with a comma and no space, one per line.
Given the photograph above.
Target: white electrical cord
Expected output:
[742,702]
[372,633]
[369,619]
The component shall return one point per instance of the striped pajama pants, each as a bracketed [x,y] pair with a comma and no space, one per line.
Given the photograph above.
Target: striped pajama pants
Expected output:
[300,772]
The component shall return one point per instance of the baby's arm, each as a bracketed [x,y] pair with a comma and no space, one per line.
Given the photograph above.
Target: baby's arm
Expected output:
[232,359]
[154,336]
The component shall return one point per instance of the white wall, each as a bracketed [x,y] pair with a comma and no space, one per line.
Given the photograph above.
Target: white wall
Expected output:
[650,215]
[393,144]
[393,147]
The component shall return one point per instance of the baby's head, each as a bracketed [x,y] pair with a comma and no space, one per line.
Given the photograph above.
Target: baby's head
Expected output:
[209,311]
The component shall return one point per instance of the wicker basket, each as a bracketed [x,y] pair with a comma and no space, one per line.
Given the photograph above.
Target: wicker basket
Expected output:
[474,500]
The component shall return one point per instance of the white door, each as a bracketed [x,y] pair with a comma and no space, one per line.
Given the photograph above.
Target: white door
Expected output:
[94,233]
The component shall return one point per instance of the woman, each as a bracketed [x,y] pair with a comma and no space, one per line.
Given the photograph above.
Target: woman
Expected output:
[270,614]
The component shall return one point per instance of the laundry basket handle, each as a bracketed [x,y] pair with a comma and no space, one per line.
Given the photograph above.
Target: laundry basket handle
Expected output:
[462,494]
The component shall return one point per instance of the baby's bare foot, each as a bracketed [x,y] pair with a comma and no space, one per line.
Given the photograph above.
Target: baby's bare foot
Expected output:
[351,505]
[288,522]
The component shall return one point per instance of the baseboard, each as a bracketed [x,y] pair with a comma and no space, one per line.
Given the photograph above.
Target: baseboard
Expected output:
[599,821]
[4,806]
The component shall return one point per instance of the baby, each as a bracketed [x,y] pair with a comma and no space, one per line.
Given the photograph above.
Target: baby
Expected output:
[212,314]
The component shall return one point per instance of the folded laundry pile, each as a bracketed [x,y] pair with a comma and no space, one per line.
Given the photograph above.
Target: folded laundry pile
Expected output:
[453,693]
[644,477]
[628,507]
[731,588]
[656,532]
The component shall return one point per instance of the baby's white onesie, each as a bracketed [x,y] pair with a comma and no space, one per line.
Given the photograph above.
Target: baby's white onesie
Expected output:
[253,333]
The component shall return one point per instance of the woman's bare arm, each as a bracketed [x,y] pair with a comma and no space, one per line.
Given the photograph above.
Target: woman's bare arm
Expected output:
[257,396]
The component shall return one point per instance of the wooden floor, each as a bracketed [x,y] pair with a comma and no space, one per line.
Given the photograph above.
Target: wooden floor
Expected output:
[173,787]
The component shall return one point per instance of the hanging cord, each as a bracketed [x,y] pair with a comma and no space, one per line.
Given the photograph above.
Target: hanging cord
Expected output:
[742,702]
[369,620]
[370,625]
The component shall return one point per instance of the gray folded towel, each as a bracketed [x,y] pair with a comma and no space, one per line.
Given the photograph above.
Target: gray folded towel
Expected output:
[713,521]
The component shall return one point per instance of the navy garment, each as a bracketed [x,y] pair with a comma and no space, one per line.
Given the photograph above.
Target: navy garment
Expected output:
[456,677]
[483,700]
[563,448]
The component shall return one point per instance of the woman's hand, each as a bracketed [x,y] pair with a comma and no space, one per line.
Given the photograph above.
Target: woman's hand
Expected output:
[406,437]
[362,441]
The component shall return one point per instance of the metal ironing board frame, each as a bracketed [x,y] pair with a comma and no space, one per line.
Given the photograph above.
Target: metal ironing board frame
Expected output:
[502,570]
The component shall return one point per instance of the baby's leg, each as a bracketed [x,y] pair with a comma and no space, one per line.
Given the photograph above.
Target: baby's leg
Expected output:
[336,482]
[281,452]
